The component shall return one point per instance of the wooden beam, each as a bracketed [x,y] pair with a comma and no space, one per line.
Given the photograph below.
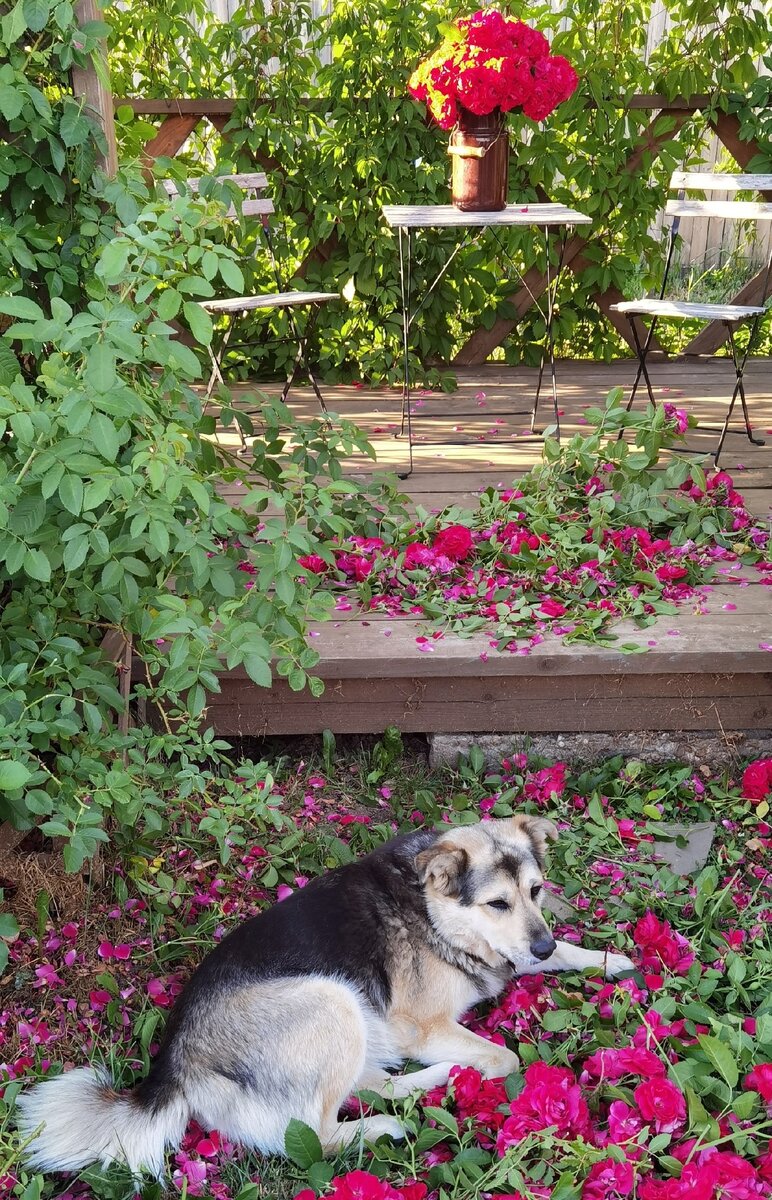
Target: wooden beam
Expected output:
[88,84]
[484,341]
[172,135]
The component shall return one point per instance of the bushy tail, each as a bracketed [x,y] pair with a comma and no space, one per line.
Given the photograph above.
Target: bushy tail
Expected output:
[85,1121]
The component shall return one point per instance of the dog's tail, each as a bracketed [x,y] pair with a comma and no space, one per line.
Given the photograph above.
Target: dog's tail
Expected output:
[84,1120]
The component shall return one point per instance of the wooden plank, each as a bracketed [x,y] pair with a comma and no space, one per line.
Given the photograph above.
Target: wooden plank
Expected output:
[684,308]
[171,137]
[684,644]
[278,300]
[200,107]
[447,216]
[273,714]
[205,105]
[90,84]
[532,688]
[719,181]
[730,210]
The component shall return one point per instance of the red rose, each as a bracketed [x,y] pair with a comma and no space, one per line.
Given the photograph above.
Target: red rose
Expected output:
[454,543]
[313,563]
[757,779]
[551,1096]
[760,1080]
[661,1104]
[662,946]
[361,1185]
[552,608]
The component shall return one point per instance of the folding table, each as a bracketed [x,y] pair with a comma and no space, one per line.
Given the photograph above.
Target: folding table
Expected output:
[410,217]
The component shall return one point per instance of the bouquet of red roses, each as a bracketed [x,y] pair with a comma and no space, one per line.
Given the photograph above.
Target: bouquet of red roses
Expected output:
[488,62]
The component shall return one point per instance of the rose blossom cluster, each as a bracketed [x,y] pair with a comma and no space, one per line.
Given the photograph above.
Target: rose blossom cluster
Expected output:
[662,946]
[490,62]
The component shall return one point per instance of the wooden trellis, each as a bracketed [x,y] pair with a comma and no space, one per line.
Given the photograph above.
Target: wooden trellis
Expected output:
[179,118]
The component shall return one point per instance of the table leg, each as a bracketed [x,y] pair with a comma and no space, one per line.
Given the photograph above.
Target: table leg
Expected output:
[549,348]
[405,285]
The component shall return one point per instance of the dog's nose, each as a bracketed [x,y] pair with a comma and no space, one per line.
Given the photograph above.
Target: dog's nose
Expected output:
[543,946]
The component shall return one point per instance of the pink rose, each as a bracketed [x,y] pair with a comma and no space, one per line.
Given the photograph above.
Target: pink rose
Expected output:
[760,1080]
[661,1104]
[608,1179]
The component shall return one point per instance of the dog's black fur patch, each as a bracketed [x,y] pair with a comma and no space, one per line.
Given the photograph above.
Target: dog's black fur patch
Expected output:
[339,924]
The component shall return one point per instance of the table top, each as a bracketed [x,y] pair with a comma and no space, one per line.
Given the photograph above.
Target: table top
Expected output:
[447,216]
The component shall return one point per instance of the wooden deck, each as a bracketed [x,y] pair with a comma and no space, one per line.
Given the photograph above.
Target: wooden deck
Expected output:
[705,668]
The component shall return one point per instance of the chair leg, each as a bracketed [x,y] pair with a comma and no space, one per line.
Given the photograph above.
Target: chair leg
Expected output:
[739,390]
[642,351]
[302,359]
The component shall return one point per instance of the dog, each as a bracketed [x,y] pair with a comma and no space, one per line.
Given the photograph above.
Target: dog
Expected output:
[324,994]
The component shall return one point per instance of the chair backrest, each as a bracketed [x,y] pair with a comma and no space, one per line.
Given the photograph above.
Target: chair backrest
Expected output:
[251,184]
[705,181]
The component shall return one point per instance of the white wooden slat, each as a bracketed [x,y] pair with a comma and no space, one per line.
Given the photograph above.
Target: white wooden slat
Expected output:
[685,309]
[731,210]
[255,181]
[447,216]
[277,300]
[720,181]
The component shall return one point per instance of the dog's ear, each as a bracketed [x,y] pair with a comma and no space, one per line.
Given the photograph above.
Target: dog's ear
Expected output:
[538,829]
[442,865]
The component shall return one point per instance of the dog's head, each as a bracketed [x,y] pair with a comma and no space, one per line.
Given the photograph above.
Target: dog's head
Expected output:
[484,889]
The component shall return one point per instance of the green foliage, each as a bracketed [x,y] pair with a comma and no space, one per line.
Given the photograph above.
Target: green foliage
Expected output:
[111,522]
[325,109]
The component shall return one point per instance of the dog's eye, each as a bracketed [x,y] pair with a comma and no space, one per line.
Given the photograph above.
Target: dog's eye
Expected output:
[499,905]
[535,891]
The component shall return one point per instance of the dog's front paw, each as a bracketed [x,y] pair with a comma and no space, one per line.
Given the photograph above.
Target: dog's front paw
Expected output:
[617,964]
[499,1064]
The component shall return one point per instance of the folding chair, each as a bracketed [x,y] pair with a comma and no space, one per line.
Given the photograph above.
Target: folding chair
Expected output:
[255,205]
[730,315]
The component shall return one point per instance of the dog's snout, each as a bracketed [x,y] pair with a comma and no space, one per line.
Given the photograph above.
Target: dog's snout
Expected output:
[543,946]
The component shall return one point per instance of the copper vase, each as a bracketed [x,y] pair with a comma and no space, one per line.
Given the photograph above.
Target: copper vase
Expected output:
[479,151]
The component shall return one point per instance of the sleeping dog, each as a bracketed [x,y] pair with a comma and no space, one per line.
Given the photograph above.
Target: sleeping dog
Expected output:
[325,994]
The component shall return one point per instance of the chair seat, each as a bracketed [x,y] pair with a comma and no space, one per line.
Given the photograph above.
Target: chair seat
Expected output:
[682,308]
[273,300]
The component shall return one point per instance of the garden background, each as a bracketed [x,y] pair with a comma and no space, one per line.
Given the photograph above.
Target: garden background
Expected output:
[110,487]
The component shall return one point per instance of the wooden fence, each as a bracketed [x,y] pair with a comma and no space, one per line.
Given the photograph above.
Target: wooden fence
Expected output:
[180,117]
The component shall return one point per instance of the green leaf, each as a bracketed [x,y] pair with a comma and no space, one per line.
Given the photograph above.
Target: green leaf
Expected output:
[13,775]
[71,494]
[721,1057]
[168,304]
[231,275]
[37,566]
[11,101]
[100,371]
[106,441]
[302,1145]
[258,670]
[442,1118]
[36,14]
[199,321]
[75,553]
[13,24]
[9,926]
[21,307]
[74,127]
